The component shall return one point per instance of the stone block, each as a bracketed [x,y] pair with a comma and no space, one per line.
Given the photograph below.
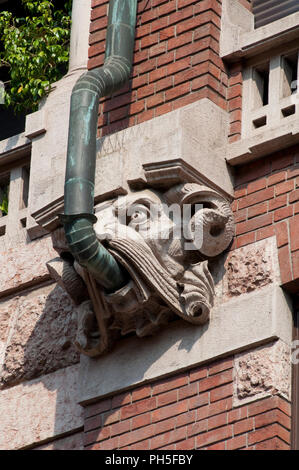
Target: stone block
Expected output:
[192,134]
[262,372]
[251,267]
[37,330]
[246,270]
[24,265]
[265,142]
[236,19]
[239,38]
[242,323]
[40,409]
[35,124]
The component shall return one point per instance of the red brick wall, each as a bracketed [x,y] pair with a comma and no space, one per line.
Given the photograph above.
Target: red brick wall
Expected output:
[176,60]
[267,204]
[192,410]
[234,101]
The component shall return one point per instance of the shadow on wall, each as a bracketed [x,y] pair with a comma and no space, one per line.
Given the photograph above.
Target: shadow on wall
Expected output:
[40,341]
[41,363]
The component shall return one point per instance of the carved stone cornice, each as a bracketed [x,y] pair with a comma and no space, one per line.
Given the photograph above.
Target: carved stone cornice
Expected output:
[156,175]
[47,217]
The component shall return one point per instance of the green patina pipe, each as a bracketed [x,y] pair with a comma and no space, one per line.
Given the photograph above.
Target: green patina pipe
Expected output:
[79,217]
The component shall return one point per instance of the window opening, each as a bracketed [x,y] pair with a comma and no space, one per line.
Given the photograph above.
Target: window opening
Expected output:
[289,75]
[4,194]
[260,122]
[25,189]
[288,111]
[261,86]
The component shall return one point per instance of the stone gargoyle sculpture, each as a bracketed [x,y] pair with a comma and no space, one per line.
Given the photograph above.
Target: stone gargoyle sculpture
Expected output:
[164,241]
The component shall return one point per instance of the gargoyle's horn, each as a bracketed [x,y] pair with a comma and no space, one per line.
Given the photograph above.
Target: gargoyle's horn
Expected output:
[81,157]
[214,220]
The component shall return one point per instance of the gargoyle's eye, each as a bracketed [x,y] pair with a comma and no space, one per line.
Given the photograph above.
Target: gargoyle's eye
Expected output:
[137,215]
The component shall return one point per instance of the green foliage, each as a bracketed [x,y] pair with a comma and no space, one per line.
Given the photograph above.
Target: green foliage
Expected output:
[36,51]
[4,203]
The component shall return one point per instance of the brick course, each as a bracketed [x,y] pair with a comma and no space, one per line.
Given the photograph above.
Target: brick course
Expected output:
[192,410]
[234,101]
[266,204]
[176,60]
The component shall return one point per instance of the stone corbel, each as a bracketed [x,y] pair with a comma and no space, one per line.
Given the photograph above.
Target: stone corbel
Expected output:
[164,231]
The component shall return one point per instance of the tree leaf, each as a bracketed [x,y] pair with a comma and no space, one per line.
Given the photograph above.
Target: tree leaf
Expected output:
[35,46]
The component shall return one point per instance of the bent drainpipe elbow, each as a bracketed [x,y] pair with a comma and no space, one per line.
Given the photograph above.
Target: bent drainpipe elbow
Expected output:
[78,218]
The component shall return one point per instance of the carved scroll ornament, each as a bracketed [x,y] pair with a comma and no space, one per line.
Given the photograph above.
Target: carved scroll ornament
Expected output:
[164,240]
